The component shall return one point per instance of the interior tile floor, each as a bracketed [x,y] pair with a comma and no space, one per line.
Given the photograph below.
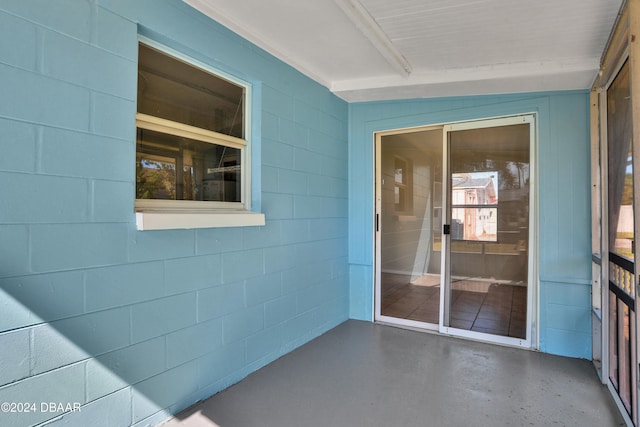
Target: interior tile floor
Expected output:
[480,306]
[360,374]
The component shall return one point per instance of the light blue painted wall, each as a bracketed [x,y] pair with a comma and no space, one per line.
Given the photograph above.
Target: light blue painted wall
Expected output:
[137,325]
[564,201]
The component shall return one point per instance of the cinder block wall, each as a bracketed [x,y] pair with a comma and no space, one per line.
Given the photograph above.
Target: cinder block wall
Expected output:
[563,261]
[134,325]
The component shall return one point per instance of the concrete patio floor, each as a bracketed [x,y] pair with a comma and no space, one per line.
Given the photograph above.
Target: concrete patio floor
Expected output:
[362,374]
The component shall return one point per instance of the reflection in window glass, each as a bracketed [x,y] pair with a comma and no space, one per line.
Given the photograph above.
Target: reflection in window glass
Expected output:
[474,196]
[398,174]
[620,159]
[177,91]
[402,187]
[169,167]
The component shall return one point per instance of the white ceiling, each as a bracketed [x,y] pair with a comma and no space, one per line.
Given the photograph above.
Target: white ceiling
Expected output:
[365,50]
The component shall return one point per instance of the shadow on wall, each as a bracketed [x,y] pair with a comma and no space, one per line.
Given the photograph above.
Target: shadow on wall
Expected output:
[72,357]
[94,366]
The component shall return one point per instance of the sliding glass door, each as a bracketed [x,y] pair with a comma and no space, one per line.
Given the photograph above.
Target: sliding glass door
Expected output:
[453,225]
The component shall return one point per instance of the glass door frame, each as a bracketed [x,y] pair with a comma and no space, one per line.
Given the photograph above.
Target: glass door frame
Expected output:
[377,309]
[532,275]
[532,320]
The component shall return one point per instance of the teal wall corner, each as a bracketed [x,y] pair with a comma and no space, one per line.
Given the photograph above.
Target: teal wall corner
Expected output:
[563,170]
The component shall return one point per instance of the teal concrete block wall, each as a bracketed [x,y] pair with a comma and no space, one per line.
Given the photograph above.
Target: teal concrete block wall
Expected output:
[564,201]
[135,326]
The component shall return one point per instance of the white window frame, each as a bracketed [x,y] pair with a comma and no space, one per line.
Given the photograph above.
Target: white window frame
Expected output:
[175,214]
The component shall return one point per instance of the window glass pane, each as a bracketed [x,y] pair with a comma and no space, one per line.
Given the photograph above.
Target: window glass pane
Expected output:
[472,195]
[398,173]
[475,188]
[410,173]
[488,256]
[490,188]
[403,186]
[169,167]
[620,159]
[174,90]
[470,223]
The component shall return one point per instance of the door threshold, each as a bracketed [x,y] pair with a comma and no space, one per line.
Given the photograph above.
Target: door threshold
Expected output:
[462,334]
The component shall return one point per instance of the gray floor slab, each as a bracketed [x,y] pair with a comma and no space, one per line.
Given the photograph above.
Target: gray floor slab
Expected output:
[362,374]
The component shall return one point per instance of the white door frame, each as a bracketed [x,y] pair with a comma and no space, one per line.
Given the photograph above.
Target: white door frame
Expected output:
[378,316]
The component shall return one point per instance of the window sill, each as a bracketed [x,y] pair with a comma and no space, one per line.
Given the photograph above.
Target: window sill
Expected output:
[186,220]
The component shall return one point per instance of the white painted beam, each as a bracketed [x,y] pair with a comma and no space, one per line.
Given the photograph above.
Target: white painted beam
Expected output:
[372,31]
[503,78]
